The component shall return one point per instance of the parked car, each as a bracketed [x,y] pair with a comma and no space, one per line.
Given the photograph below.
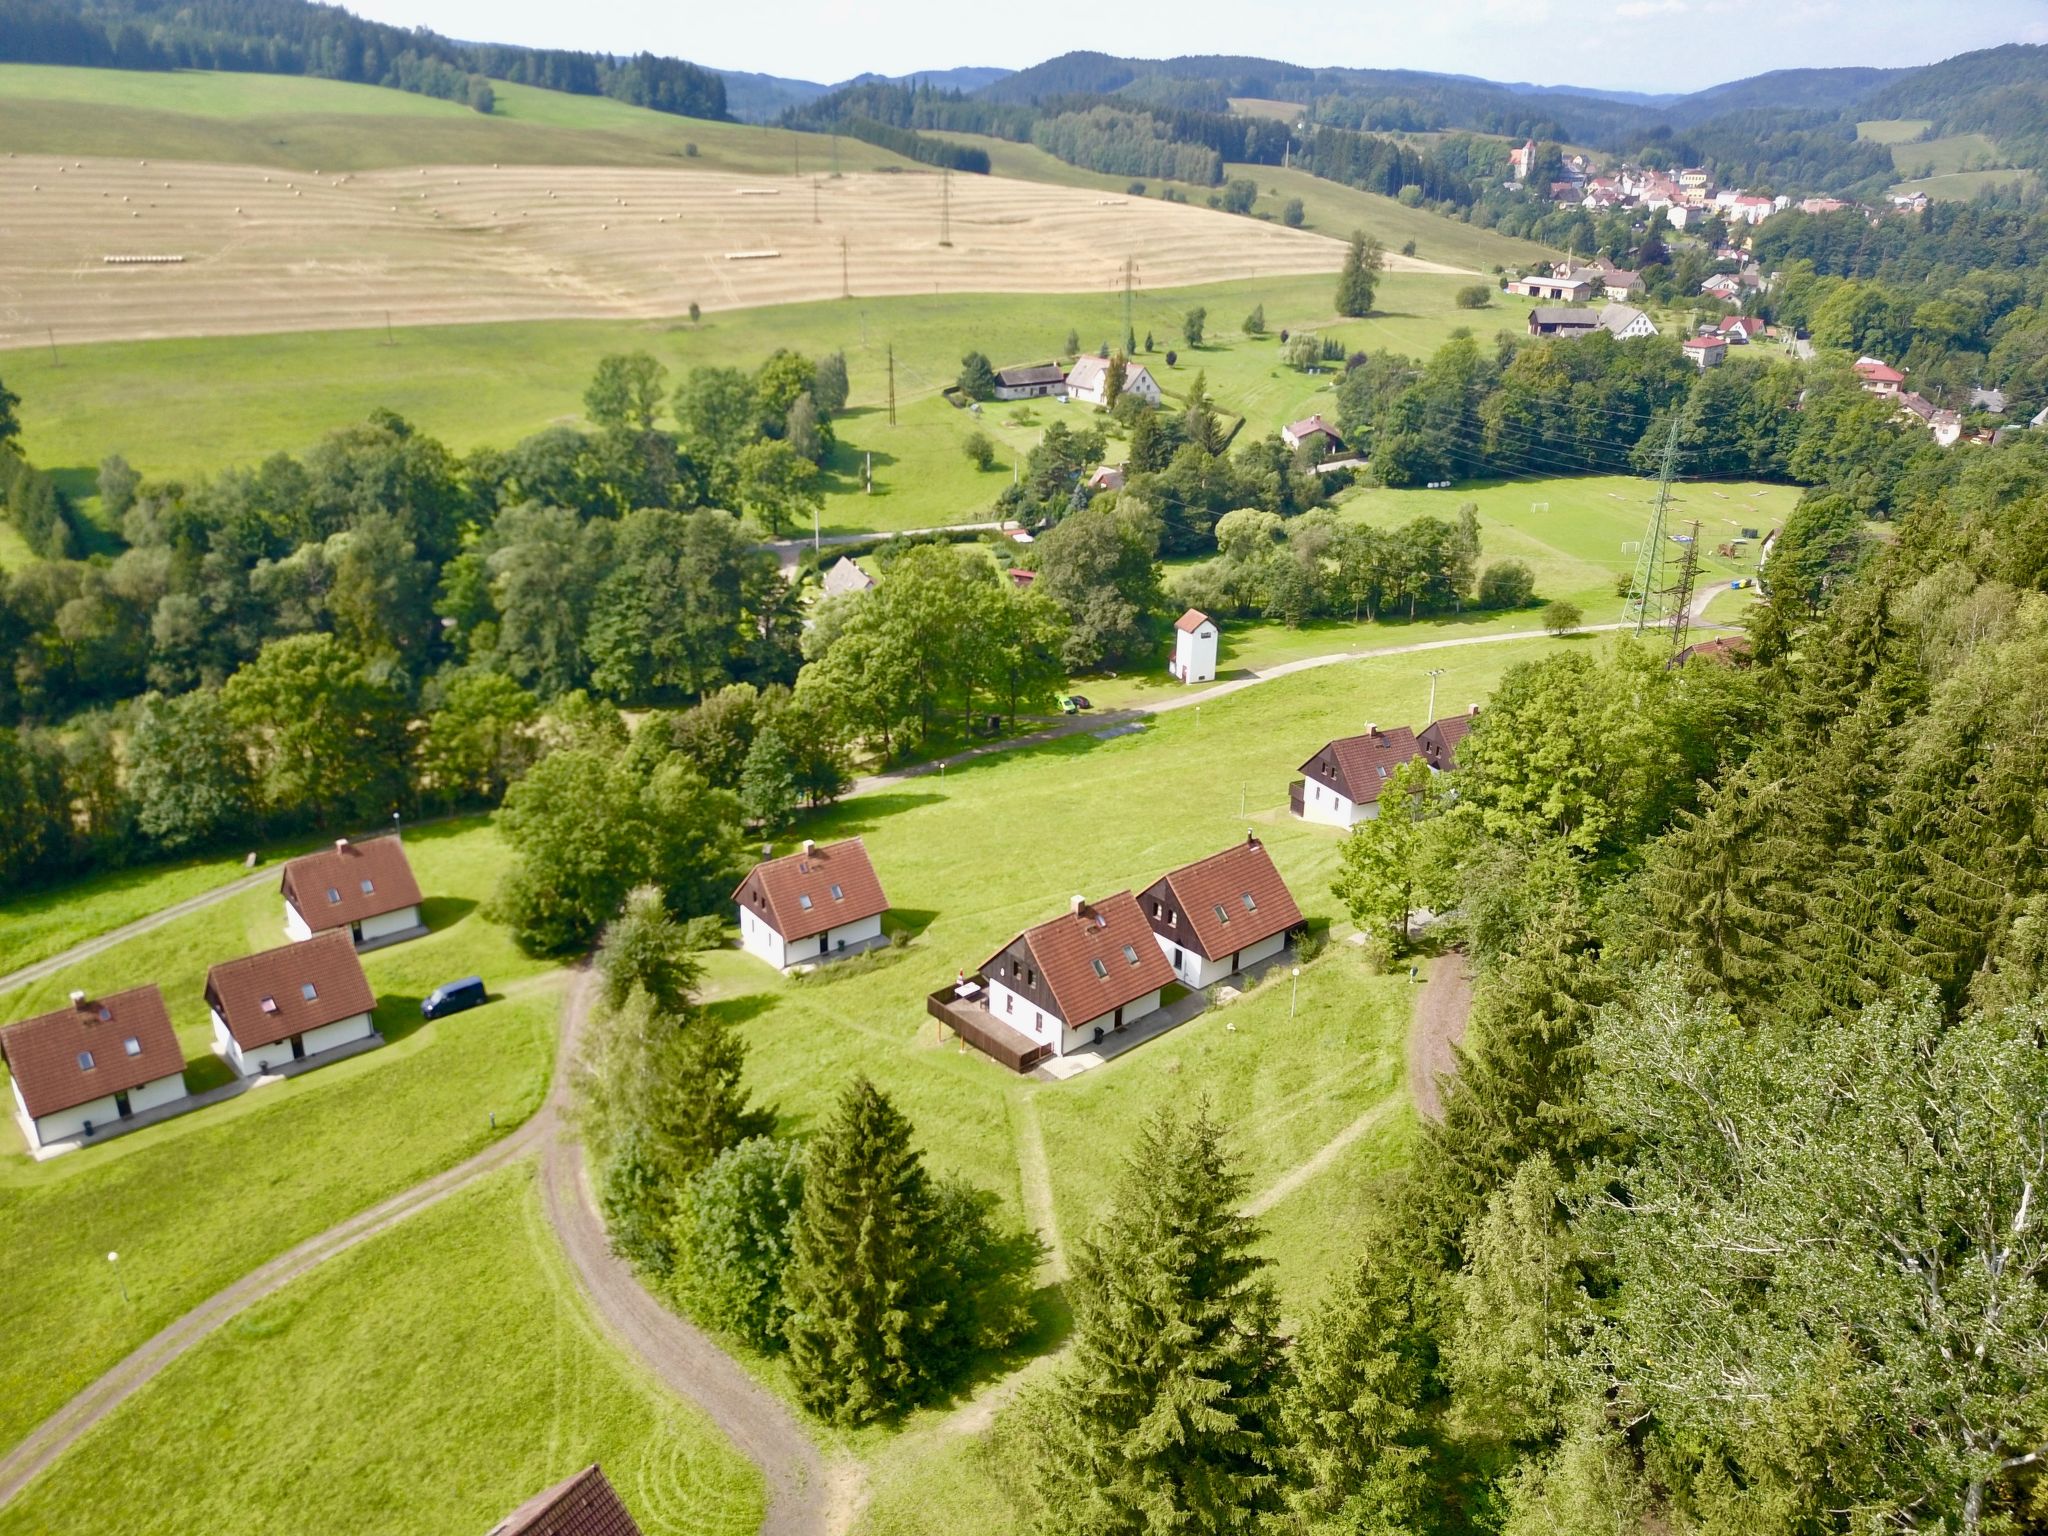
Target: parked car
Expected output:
[1074,703]
[453,997]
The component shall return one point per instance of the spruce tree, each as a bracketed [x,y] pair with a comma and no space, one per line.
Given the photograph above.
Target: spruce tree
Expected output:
[863,1287]
[1167,1418]
[1360,276]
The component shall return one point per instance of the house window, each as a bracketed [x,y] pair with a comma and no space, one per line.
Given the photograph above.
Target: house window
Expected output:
[132,1046]
[1383,770]
[85,1061]
[1249,904]
[804,902]
[308,991]
[369,889]
[838,894]
[106,1014]
[1222,916]
[333,896]
[1101,970]
[1130,954]
[268,1005]
[1038,1023]
[1009,1002]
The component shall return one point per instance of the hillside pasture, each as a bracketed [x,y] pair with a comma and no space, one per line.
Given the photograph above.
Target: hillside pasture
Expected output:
[1963,186]
[300,123]
[188,407]
[1892,130]
[440,1373]
[265,251]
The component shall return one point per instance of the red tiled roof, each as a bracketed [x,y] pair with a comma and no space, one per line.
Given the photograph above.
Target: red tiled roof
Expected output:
[1226,902]
[238,990]
[795,893]
[1362,763]
[1192,620]
[46,1053]
[1703,343]
[583,1505]
[1111,931]
[1440,738]
[1879,373]
[349,882]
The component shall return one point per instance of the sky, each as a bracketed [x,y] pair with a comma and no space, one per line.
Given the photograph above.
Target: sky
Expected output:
[1643,45]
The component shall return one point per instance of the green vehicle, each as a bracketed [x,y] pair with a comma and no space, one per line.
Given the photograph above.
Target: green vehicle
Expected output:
[1073,703]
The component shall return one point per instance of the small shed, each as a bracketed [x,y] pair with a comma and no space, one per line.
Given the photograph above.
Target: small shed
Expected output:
[1195,638]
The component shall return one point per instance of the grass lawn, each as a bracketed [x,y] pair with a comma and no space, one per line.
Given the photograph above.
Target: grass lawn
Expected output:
[190,407]
[309,124]
[433,1378]
[1962,186]
[1892,130]
[200,1200]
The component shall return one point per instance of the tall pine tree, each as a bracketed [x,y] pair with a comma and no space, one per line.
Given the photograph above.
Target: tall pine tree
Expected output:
[1168,1418]
[865,1282]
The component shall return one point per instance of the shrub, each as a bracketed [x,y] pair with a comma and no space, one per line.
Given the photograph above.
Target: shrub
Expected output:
[732,1238]
[1239,194]
[1293,214]
[1255,322]
[980,450]
[1172,358]
[1561,617]
[1476,296]
[1407,247]
[1192,324]
[1136,189]
[1507,584]
[690,150]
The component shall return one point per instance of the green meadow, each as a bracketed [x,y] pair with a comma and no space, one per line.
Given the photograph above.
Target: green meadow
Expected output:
[190,407]
[424,1383]
[195,1202]
[301,123]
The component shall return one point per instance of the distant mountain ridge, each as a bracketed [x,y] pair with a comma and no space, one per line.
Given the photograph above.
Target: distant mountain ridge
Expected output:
[755,98]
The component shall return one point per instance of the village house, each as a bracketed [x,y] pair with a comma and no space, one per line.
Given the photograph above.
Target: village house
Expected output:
[1312,430]
[1195,639]
[1619,285]
[583,1505]
[844,577]
[1088,382]
[1071,982]
[815,904]
[92,1064]
[1625,322]
[1222,914]
[1439,739]
[1723,285]
[1030,381]
[1705,351]
[1741,330]
[1340,786]
[1879,377]
[1522,162]
[290,1004]
[365,889]
[1107,478]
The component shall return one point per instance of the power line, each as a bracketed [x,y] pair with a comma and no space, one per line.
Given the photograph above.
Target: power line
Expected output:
[1644,592]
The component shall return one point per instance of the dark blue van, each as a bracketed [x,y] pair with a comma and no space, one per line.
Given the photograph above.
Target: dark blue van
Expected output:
[453,997]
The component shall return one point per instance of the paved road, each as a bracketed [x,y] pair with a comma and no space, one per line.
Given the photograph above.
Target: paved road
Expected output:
[800,1491]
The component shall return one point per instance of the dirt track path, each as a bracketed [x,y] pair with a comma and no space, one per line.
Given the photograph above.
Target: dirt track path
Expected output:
[100,943]
[805,1497]
[1441,1010]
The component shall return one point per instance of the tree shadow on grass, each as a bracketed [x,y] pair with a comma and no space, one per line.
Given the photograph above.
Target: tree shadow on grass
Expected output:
[203,1073]
[443,912]
[863,813]
[738,1010]
[398,1015]
[840,474]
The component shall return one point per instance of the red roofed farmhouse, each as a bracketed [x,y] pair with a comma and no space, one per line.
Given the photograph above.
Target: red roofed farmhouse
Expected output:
[1069,982]
[366,889]
[93,1064]
[1218,915]
[290,1003]
[583,1505]
[815,904]
[1340,786]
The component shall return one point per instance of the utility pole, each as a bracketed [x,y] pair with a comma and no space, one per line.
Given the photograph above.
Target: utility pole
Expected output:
[814,202]
[835,154]
[892,384]
[946,208]
[1130,277]
[389,341]
[1433,674]
[845,287]
[1680,591]
[51,332]
[1645,589]
[796,150]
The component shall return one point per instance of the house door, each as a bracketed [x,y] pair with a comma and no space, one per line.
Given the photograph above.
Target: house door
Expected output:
[824,943]
[298,1047]
[355,932]
[1119,1019]
[121,1106]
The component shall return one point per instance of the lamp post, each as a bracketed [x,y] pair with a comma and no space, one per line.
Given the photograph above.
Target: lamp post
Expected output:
[1294,994]
[120,1280]
[1433,674]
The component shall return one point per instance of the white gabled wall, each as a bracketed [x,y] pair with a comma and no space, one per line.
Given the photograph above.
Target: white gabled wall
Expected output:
[296,928]
[1023,1015]
[758,938]
[342,1032]
[1321,803]
[102,1112]
[387,923]
[1198,971]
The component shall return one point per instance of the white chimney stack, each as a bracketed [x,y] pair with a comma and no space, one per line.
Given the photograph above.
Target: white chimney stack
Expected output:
[1472,709]
[341,845]
[78,999]
[1078,904]
[1372,728]
[809,847]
